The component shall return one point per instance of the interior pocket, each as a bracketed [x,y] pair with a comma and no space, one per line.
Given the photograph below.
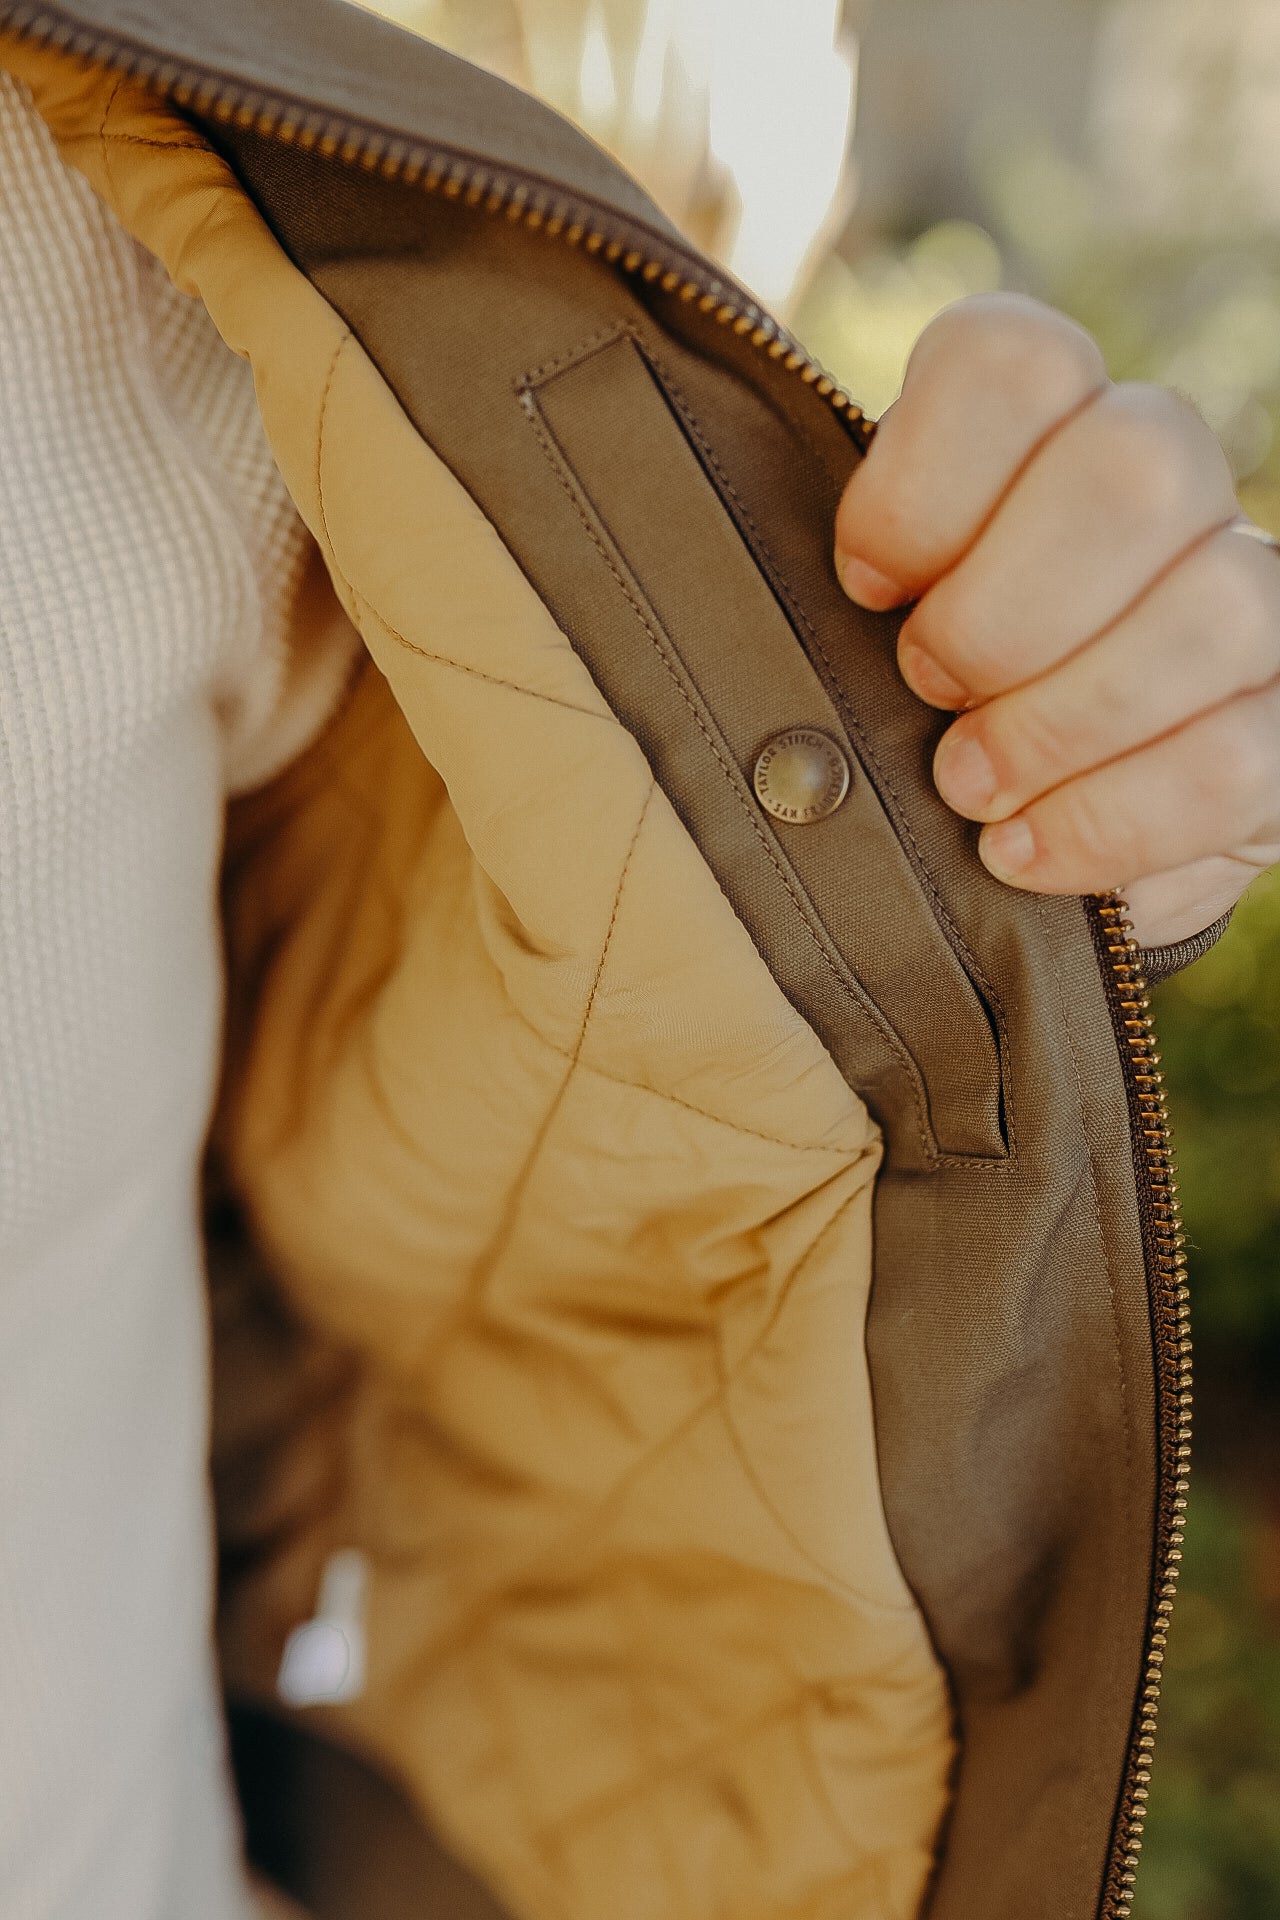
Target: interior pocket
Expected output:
[832,901]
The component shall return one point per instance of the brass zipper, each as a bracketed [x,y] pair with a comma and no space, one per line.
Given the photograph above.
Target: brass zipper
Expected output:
[636,251]
[1164,1243]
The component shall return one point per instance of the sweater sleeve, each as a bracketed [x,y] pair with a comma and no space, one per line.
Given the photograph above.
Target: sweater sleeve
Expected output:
[1160,963]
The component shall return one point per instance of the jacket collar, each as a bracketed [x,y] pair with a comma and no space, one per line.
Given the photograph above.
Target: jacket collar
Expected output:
[353,70]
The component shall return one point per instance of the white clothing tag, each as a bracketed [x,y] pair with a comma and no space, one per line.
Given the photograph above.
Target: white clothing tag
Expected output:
[324,1658]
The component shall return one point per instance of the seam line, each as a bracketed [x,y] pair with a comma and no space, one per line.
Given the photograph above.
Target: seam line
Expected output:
[882,1027]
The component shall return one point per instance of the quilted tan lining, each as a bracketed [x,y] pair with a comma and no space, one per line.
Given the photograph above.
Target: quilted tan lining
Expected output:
[688,1680]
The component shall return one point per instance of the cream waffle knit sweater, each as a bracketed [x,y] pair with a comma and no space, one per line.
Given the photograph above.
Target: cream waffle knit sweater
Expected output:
[148,554]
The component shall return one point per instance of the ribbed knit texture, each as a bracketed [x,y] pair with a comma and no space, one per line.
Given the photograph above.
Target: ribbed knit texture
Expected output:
[148,555]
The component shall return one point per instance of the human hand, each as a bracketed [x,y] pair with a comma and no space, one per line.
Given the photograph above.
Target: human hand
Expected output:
[1110,641]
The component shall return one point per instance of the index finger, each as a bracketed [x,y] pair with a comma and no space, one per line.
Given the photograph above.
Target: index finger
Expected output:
[989,380]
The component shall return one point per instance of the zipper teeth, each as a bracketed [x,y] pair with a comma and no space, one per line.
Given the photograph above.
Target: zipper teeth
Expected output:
[544,208]
[537,205]
[1171,1316]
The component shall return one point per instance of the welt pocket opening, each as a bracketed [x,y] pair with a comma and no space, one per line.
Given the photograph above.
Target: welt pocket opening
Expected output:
[698,657]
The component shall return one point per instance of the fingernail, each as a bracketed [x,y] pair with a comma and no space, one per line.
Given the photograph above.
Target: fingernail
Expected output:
[963,773]
[924,676]
[1007,850]
[870,588]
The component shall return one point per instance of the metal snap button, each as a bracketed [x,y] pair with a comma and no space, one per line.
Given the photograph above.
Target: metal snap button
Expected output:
[801,776]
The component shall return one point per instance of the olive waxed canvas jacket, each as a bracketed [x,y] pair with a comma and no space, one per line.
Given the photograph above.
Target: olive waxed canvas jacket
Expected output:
[709,1247]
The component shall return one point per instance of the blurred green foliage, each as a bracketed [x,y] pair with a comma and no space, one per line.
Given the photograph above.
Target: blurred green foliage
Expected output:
[1219,1027]
[1198,314]
[1212,1847]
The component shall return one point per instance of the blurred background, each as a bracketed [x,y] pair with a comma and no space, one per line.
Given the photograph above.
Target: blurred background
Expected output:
[861,164]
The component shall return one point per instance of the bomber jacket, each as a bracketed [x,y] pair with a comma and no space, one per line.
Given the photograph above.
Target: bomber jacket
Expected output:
[709,1249]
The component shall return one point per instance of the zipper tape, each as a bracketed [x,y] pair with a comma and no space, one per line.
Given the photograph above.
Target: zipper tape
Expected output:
[1165,1244]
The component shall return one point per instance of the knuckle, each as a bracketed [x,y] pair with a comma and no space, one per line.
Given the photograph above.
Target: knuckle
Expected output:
[850,512]
[1100,840]
[884,528]
[1018,346]
[897,515]
[1157,451]
[1244,617]
[1043,737]
[1244,759]
[879,516]
[950,625]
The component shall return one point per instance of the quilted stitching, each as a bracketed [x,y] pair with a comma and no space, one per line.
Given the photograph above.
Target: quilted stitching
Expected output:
[754,1675]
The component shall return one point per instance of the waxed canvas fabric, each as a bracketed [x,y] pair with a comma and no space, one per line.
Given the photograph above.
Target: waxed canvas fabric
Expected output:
[547,1110]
